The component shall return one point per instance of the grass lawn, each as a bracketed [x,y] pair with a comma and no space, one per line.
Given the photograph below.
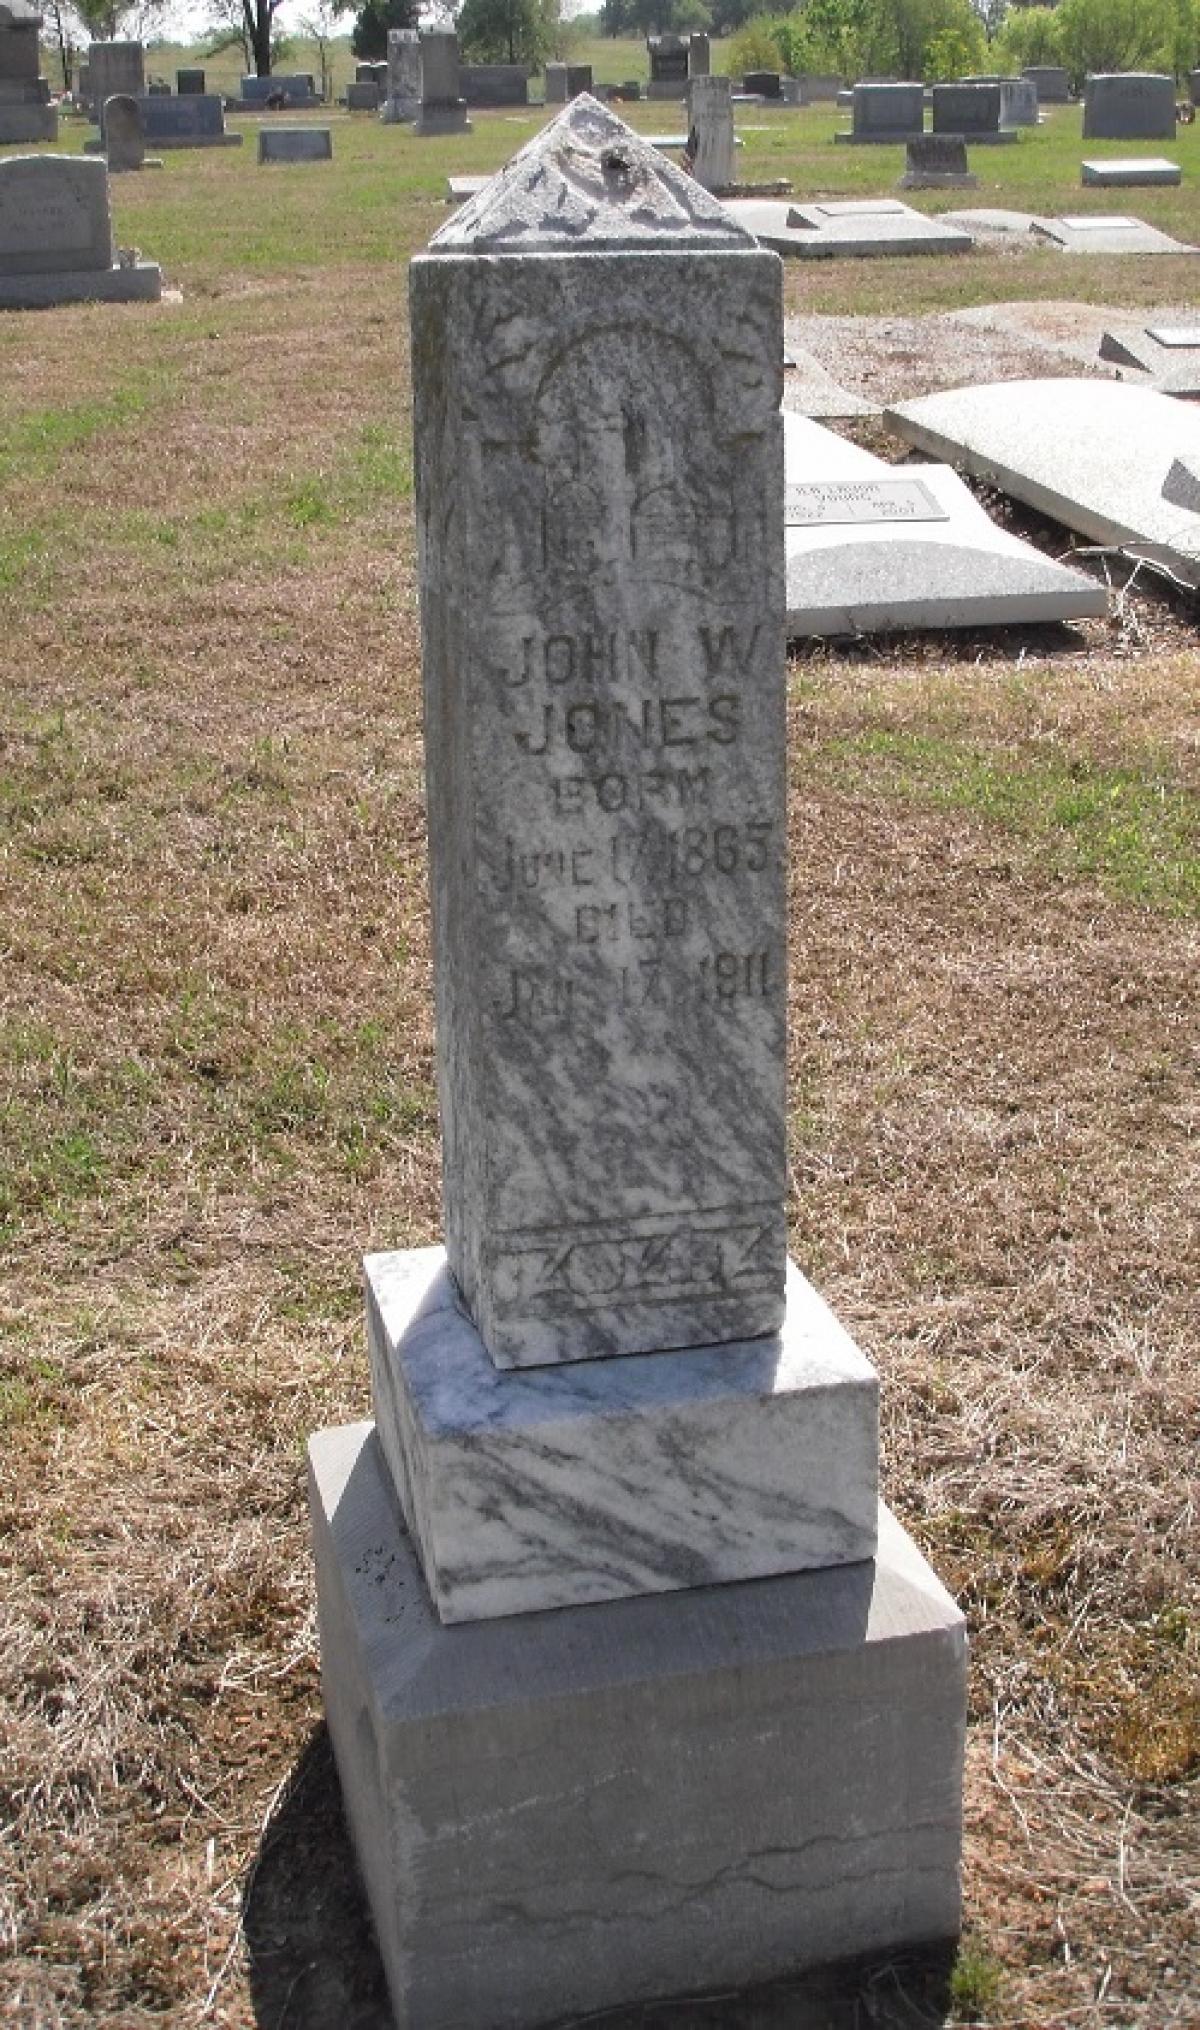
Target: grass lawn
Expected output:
[216,1093]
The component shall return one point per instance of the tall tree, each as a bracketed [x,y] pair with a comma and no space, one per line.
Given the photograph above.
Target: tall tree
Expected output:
[508,31]
[250,23]
[372,20]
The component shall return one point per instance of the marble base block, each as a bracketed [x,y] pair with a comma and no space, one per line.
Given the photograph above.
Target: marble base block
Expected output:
[529,1488]
[653,1798]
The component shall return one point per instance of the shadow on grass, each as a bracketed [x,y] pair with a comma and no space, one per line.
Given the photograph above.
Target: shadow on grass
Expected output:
[314,1963]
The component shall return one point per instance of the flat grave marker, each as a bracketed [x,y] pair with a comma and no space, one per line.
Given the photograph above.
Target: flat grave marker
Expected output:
[873,549]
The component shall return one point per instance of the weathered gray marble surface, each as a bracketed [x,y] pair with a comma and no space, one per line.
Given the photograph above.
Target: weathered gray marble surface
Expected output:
[867,554]
[696,1791]
[557,1486]
[599,486]
[1093,454]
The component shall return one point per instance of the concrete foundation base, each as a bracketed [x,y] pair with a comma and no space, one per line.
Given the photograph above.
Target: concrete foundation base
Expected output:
[177,141]
[600,1806]
[140,283]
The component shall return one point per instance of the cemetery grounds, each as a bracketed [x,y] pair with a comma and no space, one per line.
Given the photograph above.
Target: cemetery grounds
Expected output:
[217,1094]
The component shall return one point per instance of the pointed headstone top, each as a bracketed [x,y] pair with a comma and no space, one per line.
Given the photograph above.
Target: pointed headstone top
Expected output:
[588,182]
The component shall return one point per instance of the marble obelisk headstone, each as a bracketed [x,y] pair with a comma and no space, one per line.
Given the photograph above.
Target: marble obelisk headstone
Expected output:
[599,453]
[734,1746]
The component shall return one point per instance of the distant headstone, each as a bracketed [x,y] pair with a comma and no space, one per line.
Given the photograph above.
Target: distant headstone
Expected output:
[291,89]
[494,84]
[1051,83]
[124,138]
[56,243]
[710,132]
[566,81]
[189,83]
[1018,98]
[443,110]
[195,121]
[295,144]
[970,110]
[699,54]
[115,70]
[1129,106]
[668,56]
[363,96]
[819,88]
[403,100]
[1194,87]
[885,113]
[763,84]
[1128,172]
[937,162]
[26,113]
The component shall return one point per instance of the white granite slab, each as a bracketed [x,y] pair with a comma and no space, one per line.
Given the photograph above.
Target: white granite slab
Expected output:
[819,231]
[1102,233]
[1095,455]
[874,548]
[1171,357]
[552,1487]
[460,188]
[1125,172]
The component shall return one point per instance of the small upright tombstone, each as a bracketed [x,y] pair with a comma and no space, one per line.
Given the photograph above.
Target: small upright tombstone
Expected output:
[710,145]
[699,54]
[668,66]
[972,110]
[556,84]
[937,162]
[885,113]
[115,70]
[1050,81]
[443,110]
[124,137]
[56,243]
[26,113]
[1129,106]
[295,144]
[403,100]
[190,84]
[611,1396]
